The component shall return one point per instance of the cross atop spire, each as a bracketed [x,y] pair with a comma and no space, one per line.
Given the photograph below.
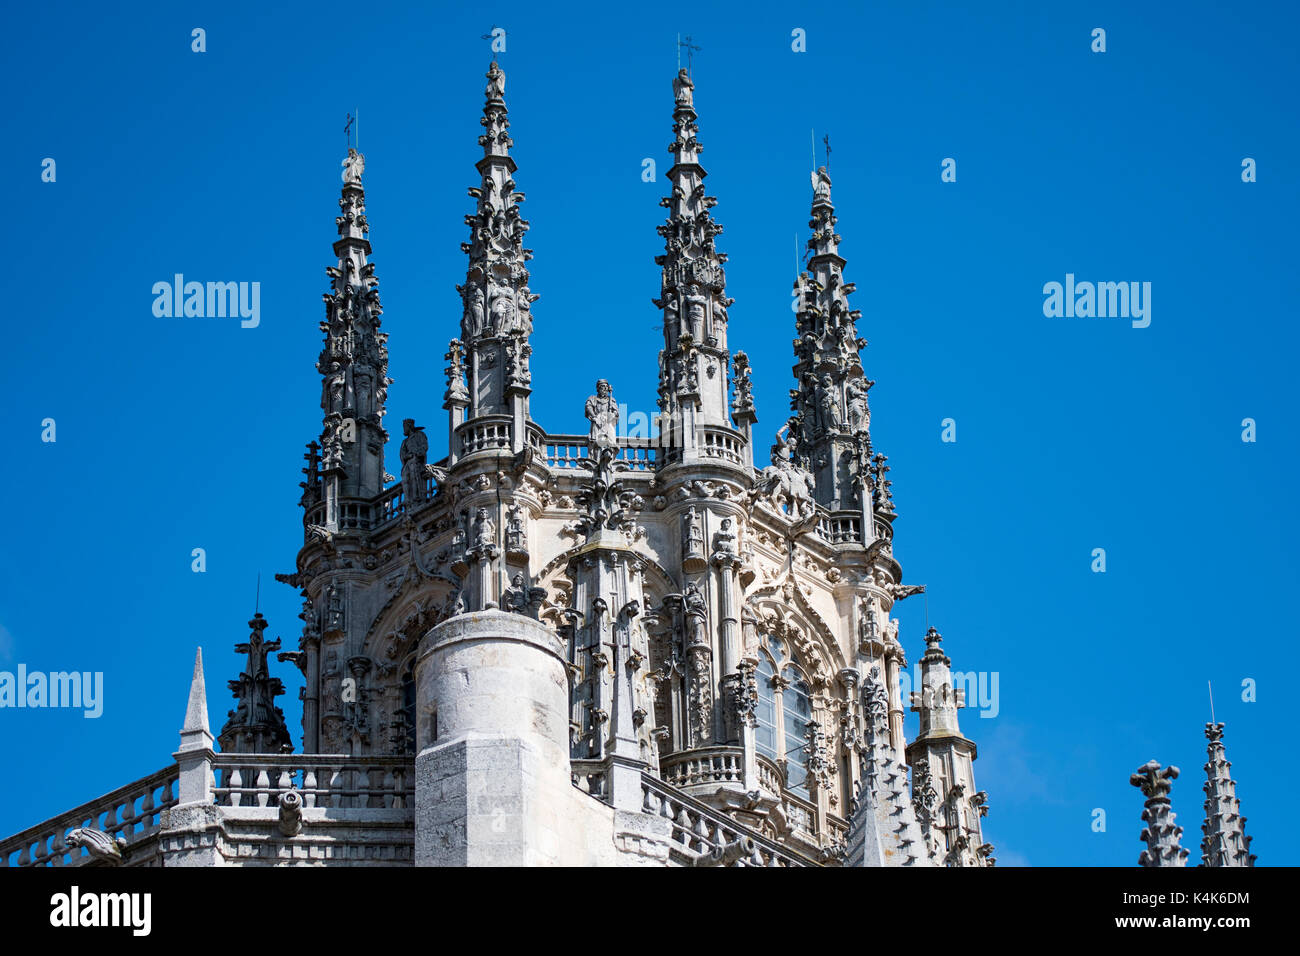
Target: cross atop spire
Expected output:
[497,318]
[694,364]
[830,424]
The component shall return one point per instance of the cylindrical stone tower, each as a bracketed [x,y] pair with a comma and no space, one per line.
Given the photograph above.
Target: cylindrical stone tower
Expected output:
[492,778]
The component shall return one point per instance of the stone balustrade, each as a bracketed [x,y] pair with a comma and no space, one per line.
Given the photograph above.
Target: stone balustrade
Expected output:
[129,812]
[699,829]
[256,780]
[570,451]
[712,765]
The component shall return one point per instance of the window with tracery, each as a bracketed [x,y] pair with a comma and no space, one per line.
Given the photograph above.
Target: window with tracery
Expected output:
[783,713]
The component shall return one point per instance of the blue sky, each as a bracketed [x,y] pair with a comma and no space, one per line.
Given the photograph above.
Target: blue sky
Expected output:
[1072,434]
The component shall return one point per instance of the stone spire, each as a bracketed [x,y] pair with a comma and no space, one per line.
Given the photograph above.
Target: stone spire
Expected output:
[694,363]
[489,373]
[349,462]
[942,761]
[195,734]
[1161,834]
[831,420]
[256,725]
[883,825]
[1225,842]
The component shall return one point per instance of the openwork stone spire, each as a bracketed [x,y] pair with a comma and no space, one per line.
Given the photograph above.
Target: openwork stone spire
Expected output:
[349,462]
[830,425]
[883,825]
[943,763]
[1225,842]
[492,352]
[256,725]
[1162,836]
[694,363]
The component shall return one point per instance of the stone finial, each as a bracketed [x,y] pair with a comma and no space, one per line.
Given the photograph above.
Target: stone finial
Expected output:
[256,725]
[195,733]
[1161,834]
[1225,842]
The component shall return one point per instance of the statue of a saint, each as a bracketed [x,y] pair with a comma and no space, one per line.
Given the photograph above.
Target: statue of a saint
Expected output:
[496,87]
[474,312]
[696,305]
[821,183]
[414,452]
[696,615]
[683,89]
[859,412]
[829,404]
[602,412]
[353,167]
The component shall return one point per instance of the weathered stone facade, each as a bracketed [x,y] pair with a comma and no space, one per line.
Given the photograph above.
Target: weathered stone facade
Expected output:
[581,649]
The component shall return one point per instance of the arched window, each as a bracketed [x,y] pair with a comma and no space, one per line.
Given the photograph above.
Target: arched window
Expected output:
[783,712]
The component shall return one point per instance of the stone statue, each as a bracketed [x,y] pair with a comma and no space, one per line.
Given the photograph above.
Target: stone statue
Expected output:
[696,305]
[696,615]
[724,541]
[784,481]
[859,412]
[334,607]
[828,404]
[475,316]
[503,311]
[519,598]
[602,412]
[694,535]
[496,87]
[485,531]
[821,183]
[353,167]
[413,452]
[516,534]
[683,89]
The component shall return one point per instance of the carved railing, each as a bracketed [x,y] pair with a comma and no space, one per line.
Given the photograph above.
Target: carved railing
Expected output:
[486,433]
[713,765]
[770,776]
[590,776]
[256,780]
[841,528]
[568,451]
[698,828]
[800,814]
[129,812]
[722,443]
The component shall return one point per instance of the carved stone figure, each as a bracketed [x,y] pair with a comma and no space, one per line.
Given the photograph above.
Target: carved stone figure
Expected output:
[353,167]
[694,535]
[485,530]
[602,411]
[496,86]
[103,849]
[821,183]
[784,482]
[516,533]
[683,89]
[859,412]
[414,451]
[696,307]
[828,405]
[475,315]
